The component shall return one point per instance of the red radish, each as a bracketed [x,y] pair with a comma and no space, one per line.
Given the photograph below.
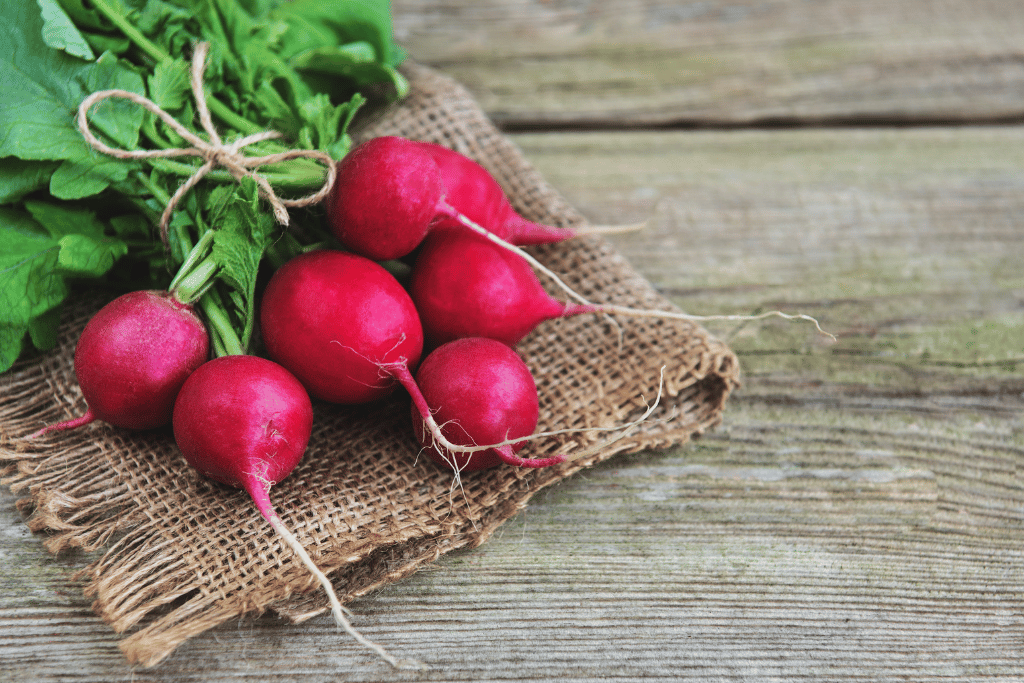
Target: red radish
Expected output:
[245,421]
[474,192]
[464,285]
[350,333]
[385,197]
[391,191]
[340,323]
[480,392]
[132,359]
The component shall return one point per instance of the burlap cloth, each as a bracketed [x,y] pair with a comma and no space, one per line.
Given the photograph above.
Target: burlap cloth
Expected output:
[177,555]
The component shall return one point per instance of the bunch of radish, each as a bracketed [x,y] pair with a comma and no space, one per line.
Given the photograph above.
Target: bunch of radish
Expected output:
[338,327]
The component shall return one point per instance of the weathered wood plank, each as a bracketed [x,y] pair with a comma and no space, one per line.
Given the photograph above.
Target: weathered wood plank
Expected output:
[782,547]
[905,243]
[858,516]
[573,63]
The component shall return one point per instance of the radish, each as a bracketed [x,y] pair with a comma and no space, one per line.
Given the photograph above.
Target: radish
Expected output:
[390,192]
[245,421]
[464,284]
[480,392]
[473,191]
[132,359]
[387,192]
[340,323]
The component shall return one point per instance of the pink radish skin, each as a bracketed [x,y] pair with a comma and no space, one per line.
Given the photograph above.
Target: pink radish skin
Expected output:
[340,323]
[391,191]
[480,392]
[132,359]
[245,421]
[464,285]
[470,189]
[385,197]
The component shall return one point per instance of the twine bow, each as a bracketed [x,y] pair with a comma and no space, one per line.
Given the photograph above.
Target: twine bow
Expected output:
[214,152]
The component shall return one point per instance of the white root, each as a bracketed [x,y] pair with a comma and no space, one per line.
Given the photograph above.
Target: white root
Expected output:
[337,610]
[612,309]
[610,229]
[442,444]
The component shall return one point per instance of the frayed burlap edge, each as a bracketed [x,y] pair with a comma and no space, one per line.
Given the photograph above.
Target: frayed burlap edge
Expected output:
[178,555]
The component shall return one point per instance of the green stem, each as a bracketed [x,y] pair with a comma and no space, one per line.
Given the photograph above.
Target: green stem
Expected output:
[158,192]
[132,33]
[220,325]
[195,255]
[218,346]
[303,174]
[228,116]
[188,288]
[184,243]
[221,111]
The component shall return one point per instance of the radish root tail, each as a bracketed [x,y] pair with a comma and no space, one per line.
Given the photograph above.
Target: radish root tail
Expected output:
[610,309]
[611,229]
[441,443]
[84,419]
[337,610]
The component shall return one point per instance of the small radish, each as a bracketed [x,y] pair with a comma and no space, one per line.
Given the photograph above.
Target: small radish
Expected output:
[386,195]
[245,421]
[340,323]
[464,285]
[473,191]
[480,392]
[390,192]
[132,359]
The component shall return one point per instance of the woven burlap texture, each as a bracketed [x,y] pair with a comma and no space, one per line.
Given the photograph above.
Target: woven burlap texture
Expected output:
[177,555]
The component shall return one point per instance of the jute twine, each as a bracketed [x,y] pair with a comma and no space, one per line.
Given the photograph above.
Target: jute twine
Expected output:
[176,555]
[214,151]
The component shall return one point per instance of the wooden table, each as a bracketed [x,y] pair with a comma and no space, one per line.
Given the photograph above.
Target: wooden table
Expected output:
[860,513]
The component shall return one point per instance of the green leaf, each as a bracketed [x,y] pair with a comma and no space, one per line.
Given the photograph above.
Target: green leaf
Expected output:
[79,179]
[44,329]
[19,177]
[326,124]
[84,256]
[38,250]
[12,340]
[275,108]
[118,118]
[354,61]
[132,226]
[29,282]
[245,230]
[42,89]
[60,219]
[345,22]
[60,33]
[117,45]
[169,85]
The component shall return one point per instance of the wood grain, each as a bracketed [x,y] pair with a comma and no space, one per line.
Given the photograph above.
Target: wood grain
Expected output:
[568,63]
[904,242]
[859,516]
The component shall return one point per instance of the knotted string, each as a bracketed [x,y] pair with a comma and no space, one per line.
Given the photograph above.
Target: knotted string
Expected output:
[214,152]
